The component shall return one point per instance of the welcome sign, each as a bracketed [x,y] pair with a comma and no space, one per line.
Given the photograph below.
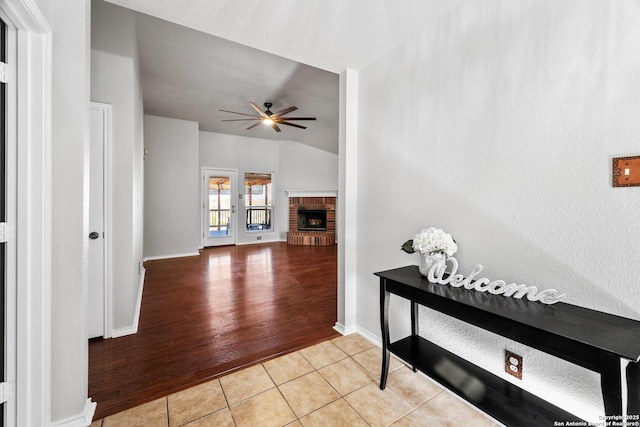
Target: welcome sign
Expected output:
[495,287]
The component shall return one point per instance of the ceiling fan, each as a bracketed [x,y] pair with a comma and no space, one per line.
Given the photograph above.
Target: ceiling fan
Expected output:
[268,118]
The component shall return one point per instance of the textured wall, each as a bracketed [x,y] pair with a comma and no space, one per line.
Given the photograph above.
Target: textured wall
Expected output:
[69,20]
[499,125]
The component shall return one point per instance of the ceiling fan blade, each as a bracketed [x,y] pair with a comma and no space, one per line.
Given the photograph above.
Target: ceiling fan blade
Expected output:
[298,118]
[253,125]
[243,114]
[275,127]
[262,114]
[240,120]
[293,124]
[285,111]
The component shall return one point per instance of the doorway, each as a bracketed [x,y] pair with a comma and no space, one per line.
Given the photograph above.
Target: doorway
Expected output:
[219,223]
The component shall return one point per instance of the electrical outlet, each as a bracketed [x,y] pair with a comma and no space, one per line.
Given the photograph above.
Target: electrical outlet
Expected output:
[513,364]
[259,238]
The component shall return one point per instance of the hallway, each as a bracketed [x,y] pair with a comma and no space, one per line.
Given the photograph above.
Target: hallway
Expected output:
[208,315]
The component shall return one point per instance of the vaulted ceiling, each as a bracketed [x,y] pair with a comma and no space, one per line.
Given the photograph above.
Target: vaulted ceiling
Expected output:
[200,56]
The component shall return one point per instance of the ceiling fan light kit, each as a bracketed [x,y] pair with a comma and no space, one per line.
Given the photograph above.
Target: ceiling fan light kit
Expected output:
[268,118]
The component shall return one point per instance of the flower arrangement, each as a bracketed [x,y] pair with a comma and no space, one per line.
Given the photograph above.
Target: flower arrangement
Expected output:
[431,241]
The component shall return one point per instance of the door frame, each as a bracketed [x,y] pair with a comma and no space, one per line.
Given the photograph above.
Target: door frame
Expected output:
[31,404]
[9,216]
[107,113]
[204,222]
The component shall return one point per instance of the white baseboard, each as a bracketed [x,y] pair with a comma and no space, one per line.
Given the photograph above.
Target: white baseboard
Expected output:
[369,336]
[257,242]
[130,330]
[339,327]
[343,330]
[80,420]
[151,258]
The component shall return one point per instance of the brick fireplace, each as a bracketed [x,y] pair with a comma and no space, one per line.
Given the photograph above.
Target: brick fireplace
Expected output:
[312,220]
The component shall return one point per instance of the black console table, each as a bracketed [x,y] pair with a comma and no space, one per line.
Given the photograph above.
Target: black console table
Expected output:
[592,339]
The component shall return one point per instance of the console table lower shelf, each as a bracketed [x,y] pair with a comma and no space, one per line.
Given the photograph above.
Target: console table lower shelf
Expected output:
[504,401]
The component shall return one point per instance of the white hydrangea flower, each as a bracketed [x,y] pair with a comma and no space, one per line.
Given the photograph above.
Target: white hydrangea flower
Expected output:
[434,240]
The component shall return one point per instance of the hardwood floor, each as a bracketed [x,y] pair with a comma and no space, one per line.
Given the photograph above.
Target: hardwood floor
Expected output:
[207,315]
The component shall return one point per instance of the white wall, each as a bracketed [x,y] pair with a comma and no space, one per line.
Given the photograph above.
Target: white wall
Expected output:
[69,20]
[172,192]
[499,125]
[115,80]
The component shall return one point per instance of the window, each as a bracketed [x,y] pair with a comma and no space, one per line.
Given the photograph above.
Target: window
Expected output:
[257,198]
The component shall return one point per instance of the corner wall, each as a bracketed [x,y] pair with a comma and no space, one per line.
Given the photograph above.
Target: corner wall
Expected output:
[69,20]
[499,125]
[115,80]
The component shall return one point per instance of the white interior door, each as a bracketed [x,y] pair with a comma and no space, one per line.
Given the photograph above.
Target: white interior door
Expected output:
[100,125]
[219,203]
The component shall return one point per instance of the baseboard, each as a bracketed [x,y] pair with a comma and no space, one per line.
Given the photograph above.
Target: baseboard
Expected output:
[130,330]
[257,242]
[369,336]
[339,327]
[80,420]
[181,255]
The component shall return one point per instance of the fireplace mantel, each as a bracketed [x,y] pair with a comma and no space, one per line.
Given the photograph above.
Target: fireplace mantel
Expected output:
[312,193]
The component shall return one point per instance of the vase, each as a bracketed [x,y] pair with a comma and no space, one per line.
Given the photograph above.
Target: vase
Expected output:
[427,261]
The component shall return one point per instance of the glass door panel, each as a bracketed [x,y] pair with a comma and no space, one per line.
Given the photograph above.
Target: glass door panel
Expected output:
[219,207]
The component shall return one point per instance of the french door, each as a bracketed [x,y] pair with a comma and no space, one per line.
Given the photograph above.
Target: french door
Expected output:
[219,223]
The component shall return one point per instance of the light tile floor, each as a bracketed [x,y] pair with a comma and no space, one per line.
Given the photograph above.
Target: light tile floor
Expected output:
[335,383]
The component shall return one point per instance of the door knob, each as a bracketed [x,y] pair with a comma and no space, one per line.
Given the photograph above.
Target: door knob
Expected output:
[94,235]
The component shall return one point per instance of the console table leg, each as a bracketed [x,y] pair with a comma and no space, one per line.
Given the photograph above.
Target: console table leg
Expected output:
[415,328]
[633,387]
[384,324]
[611,384]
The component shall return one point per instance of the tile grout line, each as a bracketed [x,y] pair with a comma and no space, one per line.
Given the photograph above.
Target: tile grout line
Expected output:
[280,391]
[342,397]
[226,400]
[166,404]
[317,370]
[321,376]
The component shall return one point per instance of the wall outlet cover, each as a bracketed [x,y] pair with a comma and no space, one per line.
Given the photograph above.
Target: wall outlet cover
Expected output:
[513,364]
